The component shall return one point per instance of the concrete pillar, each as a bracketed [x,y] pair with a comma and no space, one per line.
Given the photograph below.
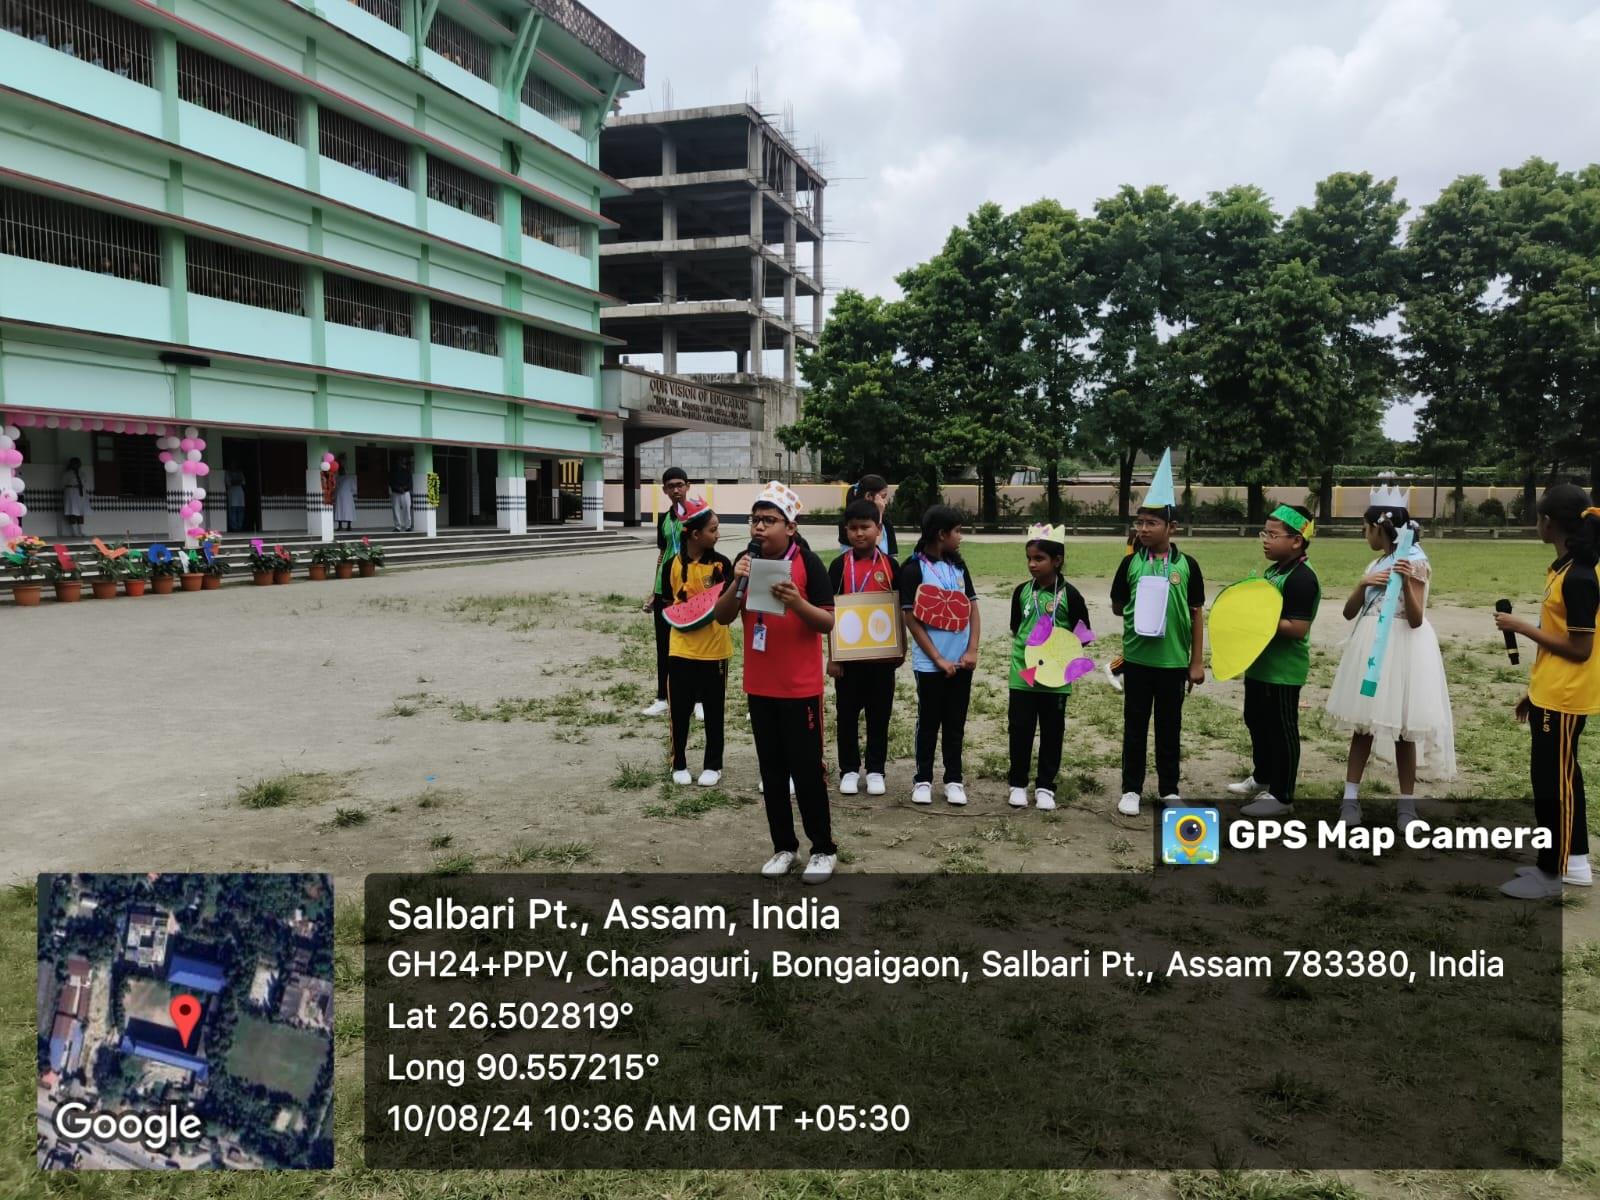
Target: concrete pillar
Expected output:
[594,493]
[669,218]
[630,479]
[669,348]
[424,517]
[553,474]
[816,260]
[215,485]
[511,494]
[669,154]
[319,513]
[758,287]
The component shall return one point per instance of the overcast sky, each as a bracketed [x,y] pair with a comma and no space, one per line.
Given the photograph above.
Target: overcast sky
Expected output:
[924,110]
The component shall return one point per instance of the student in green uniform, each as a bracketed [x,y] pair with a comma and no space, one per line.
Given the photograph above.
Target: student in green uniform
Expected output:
[669,540]
[1036,699]
[1159,593]
[1272,683]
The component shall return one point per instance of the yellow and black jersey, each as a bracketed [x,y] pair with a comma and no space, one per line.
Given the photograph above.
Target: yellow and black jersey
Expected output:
[1571,596]
[684,581]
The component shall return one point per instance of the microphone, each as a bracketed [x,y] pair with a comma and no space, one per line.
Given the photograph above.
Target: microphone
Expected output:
[753,550]
[1511,638]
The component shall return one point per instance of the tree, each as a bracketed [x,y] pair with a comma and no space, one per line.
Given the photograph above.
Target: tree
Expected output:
[1051,294]
[1349,237]
[1138,255]
[962,327]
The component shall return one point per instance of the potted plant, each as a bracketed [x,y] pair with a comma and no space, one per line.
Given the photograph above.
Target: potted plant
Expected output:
[321,558]
[135,574]
[369,557]
[66,575]
[344,560]
[108,568]
[262,563]
[164,573]
[24,560]
[211,573]
[282,564]
[189,569]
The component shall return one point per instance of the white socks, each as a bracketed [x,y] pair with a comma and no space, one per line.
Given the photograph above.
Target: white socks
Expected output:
[1352,791]
[1577,864]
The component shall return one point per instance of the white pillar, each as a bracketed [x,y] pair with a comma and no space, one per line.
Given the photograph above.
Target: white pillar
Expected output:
[424,517]
[511,503]
[594,493]
[319,513]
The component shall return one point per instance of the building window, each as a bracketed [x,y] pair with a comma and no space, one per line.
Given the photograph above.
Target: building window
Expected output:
[539,95]
[384,10]
[347,301]
[463,328]
[453,40]
[554,350]
[82,30]
[128,467]
[238,95]
[547,225]
[450,184]
[245,277]
[348,141]
[49,230]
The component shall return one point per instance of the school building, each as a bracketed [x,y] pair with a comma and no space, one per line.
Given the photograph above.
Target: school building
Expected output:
[368,228]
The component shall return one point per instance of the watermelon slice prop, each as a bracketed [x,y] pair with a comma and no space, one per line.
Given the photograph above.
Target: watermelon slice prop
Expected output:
[691,614]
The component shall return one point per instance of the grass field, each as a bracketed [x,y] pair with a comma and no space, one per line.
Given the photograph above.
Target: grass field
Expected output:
[147,1000]
[279,1057]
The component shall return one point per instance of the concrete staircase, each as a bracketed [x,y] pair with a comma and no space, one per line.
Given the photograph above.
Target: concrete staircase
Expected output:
[401,550]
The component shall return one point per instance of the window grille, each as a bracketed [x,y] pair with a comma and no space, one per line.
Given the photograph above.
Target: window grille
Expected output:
[49,230]
[245,277]
[238,95]
[384,10]
[463,328]
[547,225]
[354,302]
[453,40]
[348,141]
[450,184]
[539,95]
[554,350]
[82,30]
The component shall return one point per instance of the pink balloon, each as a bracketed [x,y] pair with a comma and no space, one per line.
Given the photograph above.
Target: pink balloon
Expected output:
[202,469]
[187,468]
[164,456]
[199,443]
[27,419]
[186,444]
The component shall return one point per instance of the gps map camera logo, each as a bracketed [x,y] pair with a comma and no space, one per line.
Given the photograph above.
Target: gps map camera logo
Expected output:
[1190,836]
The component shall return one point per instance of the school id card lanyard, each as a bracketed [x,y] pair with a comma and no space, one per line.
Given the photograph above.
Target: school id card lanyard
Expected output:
[758,635]
[850,568]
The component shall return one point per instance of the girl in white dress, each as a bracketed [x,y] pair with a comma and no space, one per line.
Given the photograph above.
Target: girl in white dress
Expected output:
[344,499]
[1409,718]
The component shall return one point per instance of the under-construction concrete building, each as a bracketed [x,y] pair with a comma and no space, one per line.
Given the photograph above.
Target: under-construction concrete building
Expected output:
[708,259]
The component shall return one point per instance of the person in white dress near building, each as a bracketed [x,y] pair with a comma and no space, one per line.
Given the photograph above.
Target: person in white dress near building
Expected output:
[74,497]
[344,499]
[1408,720]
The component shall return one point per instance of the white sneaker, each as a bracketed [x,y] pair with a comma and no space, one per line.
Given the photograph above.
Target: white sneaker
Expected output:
[655,708]
[849,783]
[1172,800]
[1535,885]
[791,785]
[1406,816]
[1584,878]
[1018,798]
[1044,798]
[709,778]
[922,793]
[1128,806]
[876,786]
[1266,805]
[778,864]
[1116,680]
[819,868]
[1245,787]
[699,712]
[682,777]
[1350,812]
[955,793]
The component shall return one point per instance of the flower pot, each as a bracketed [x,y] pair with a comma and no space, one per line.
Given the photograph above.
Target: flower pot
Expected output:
[368,569]
[104,589]
[261,578]
[317,571]
[27,594]
[210,583]
[191,581]
[162,585]
[134,587]
[282,576]
[69,591]
[345,569]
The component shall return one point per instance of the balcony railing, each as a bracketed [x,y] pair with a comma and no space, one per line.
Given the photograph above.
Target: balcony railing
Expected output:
[594,33]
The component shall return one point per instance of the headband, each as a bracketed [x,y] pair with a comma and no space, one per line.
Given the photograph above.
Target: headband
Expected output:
[1304,526]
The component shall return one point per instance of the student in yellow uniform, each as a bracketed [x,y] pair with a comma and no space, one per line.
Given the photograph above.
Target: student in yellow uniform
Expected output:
[697,659]
[1563,691]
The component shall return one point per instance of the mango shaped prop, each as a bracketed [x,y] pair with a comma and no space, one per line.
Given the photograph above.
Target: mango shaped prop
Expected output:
[1243,619]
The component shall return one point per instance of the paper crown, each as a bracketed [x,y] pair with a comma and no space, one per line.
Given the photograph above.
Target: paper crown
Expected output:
[1387,496]
[1160,494]
[1044,532]
[692,508]
[782,497]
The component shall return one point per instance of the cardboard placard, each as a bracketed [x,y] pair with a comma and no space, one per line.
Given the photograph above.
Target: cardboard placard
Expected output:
[867,627]
[764,572]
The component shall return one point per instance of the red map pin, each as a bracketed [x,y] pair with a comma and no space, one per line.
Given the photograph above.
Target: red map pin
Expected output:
[185,1012]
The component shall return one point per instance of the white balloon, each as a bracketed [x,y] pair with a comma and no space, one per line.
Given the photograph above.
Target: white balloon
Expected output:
[75,424]
[17,486]
[199,493]
[22,510]
[325,466]
[6,442]
[171,467]
[13,432]
[52,422]
[5,519]
[140,427]
[191,432]
[192,455]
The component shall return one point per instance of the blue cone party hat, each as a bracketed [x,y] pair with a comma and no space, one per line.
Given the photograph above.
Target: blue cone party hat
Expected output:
[1160,494]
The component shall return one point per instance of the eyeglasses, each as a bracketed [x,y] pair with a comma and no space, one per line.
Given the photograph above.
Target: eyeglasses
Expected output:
[762,520]
[1273,534]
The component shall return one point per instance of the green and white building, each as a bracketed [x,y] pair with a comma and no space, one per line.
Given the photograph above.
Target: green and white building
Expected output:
[299,227]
